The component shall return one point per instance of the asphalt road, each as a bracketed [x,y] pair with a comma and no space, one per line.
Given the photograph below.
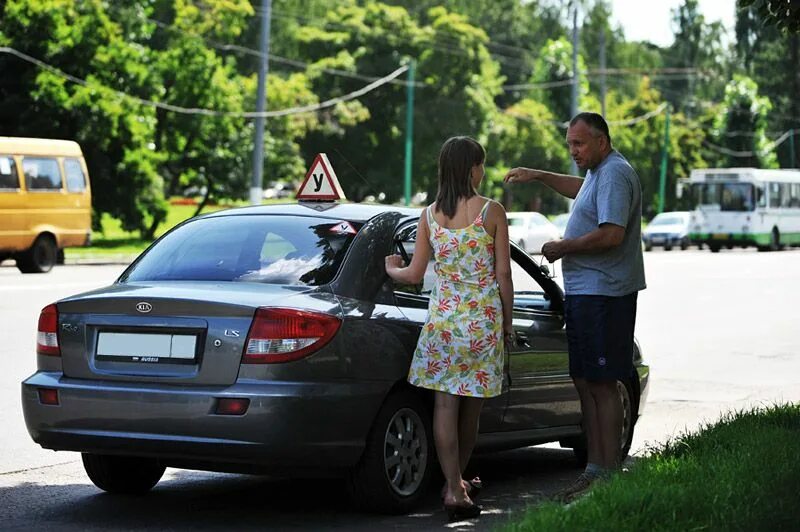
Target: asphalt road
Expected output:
[719,332]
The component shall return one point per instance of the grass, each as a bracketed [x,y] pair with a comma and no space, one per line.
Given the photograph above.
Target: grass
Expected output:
[741,473]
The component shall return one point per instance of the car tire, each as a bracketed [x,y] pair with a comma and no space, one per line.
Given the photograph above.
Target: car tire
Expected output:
[684,244]
[40,258]
[127,475]
[629,415]
[714,248]
[648,247]
[394,472]
[667,247]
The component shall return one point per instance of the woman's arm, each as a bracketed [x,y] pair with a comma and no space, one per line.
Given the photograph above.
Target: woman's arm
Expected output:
[502,264]
[414,272]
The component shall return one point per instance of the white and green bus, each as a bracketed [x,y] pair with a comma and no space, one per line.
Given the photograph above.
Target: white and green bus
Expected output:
[745,207]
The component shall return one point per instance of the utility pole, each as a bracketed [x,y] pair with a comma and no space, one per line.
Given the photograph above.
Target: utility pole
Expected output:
[575,76]
[792,160]
[412,65]
[261,101]
[603,72]
[662,185]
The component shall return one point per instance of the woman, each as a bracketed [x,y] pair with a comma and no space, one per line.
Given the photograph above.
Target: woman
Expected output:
[460,350]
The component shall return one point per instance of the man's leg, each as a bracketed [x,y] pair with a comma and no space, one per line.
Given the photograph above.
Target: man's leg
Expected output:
[589,420]
[609,422]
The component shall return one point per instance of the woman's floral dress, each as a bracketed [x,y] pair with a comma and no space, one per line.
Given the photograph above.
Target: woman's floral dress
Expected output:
[460,348]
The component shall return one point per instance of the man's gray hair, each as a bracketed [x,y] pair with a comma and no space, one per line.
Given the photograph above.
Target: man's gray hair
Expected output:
[595,121]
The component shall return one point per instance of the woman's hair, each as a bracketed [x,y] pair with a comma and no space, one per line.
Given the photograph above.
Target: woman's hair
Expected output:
[456,159]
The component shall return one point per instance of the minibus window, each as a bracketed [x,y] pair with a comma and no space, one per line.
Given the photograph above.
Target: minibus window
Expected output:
[8,173]
[41,173]
[76,182]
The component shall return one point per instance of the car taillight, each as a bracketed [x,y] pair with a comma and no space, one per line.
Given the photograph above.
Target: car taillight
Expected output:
[47,335]
[283,335]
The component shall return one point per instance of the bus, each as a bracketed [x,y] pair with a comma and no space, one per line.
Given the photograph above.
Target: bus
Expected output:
[45,201]
[745,207]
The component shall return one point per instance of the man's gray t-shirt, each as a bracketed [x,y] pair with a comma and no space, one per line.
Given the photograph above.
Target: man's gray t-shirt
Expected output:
[611,193]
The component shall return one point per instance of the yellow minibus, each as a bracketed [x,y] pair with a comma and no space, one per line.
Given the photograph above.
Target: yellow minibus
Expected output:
[45,201]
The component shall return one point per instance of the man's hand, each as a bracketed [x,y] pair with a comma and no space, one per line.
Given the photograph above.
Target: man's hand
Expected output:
[521,175]
[553,250]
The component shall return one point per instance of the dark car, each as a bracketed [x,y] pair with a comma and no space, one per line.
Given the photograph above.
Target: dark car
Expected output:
[270,338]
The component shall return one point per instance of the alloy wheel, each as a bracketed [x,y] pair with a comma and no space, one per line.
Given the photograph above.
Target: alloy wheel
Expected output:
[405,451]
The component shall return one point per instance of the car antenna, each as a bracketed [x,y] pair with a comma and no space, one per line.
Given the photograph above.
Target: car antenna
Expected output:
[364,179]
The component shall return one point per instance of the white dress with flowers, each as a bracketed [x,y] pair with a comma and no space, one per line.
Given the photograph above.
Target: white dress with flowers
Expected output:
[460,348]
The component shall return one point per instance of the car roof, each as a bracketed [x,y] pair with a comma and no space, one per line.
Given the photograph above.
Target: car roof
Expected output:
[356,212]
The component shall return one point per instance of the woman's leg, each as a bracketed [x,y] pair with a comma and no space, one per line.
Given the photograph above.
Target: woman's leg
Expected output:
[446,434]
[469,414]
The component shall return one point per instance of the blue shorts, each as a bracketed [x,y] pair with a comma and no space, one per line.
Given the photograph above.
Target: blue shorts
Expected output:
[600,336]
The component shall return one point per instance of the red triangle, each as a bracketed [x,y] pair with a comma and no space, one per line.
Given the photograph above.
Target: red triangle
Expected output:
[313,189]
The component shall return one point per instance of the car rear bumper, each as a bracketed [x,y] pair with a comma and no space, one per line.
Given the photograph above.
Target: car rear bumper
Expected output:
[287,424]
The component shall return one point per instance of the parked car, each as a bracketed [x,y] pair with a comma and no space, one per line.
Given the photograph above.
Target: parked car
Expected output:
[269,338]
[278,190]
[560,222]
[667,229]
[530,230]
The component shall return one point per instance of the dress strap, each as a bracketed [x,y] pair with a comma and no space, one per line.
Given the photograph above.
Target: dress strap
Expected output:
[482,214]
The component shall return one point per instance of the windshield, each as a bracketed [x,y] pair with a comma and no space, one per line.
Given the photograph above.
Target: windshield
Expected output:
[295,250]
[516,221]
[671,219]
[729,196]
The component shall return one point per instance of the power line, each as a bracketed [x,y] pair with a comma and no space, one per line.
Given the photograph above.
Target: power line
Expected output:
[563,125]
[768,148]
[278,59]
[208,112]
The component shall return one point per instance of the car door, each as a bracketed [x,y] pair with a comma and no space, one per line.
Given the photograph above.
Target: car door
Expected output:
[541,392]
[412,301]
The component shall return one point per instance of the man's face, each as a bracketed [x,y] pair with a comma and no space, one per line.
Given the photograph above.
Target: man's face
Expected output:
[585,149]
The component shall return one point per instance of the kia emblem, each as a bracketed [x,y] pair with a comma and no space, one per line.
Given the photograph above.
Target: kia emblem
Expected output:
[144,306]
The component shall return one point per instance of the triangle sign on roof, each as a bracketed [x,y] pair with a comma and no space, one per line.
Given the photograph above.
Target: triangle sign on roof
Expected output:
[321,183]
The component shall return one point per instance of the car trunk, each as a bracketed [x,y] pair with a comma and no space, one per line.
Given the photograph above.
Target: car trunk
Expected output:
[178,332]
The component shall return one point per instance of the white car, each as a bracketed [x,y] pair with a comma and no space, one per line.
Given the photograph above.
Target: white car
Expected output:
[530,230]
[667,229]
[560,221]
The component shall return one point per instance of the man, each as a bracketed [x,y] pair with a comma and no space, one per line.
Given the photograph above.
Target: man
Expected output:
[603,272]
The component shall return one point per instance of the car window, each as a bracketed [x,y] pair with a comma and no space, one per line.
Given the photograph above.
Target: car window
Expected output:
[41,173]
[76,181]
[294,250]
[528,293]
[8,173]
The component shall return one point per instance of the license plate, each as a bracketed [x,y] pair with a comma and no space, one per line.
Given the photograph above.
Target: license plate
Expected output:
[658,239]
[720,236]
[147,347]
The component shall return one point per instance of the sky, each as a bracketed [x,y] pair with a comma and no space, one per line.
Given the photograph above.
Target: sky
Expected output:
[650,20]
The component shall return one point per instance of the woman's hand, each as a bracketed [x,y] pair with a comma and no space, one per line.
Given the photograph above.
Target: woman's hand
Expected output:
[393,262]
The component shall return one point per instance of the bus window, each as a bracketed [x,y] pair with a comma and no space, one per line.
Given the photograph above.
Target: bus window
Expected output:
[795,195]
[8,173]
[761,197]
[41,173]
[774,194]
[737,197]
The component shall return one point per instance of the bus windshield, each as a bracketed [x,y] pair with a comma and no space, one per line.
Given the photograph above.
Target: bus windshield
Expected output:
[729,196]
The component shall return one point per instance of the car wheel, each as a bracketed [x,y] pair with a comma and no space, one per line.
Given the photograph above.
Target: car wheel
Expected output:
[128,475]
[648,247]
[628,423]
[667,247]
[40,258]
[394,472]
[684,244]
[714,248]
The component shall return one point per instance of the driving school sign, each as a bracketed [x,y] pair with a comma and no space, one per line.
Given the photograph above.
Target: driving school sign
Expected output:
[321,183]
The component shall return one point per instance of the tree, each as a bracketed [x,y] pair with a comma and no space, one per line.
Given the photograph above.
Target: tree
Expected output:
[365,139]
[745,113]
[697,45]
[783,14]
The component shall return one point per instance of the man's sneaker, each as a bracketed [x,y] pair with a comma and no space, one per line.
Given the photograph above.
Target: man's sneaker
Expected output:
[577,488]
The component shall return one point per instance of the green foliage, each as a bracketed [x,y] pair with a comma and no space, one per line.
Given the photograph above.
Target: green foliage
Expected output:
[783,14]
[744,110]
